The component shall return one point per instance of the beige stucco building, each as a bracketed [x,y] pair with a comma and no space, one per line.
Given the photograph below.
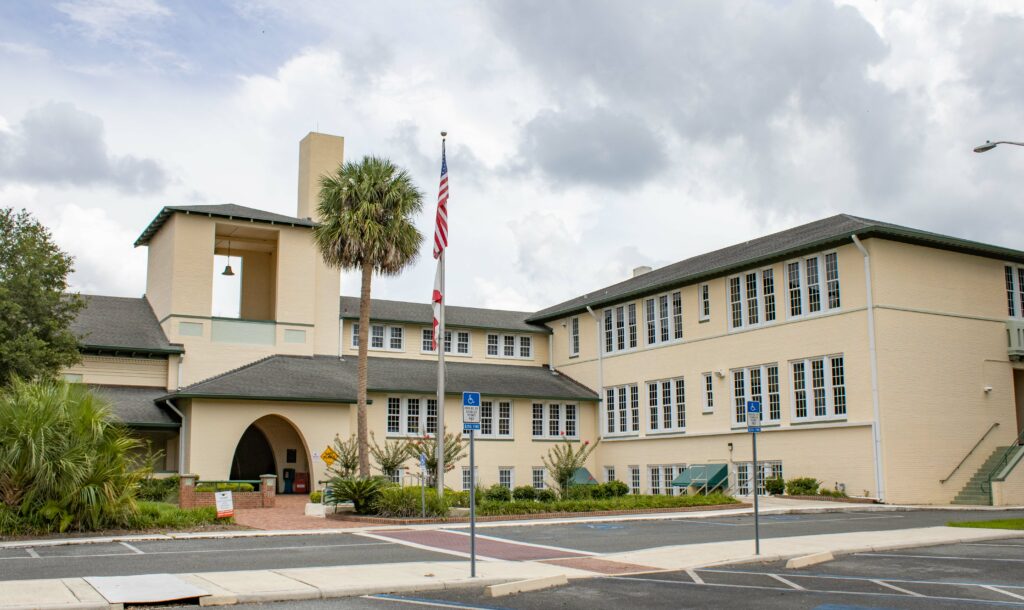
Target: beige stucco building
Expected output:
[886,360]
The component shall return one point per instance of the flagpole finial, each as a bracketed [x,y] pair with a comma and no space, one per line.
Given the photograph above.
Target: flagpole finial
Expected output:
[444,134]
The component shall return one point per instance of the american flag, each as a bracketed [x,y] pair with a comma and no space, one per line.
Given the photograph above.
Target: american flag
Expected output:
[440,243]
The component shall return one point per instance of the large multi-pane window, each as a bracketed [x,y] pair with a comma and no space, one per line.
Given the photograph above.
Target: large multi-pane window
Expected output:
[704,292]
[760,383]
[769,469]
[539,475]
[555,420]
[411,416]
[663,318]
[813,284]
[819,388]
[666,402]
[752,299]
[622,410]
[708,392]
[619,328]
[462,342]
[382,337]
[510,346]
[574,336]
[1014,290]
[661,477]
[495,420]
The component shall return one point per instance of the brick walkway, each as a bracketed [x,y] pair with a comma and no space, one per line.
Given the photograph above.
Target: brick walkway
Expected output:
[287,514]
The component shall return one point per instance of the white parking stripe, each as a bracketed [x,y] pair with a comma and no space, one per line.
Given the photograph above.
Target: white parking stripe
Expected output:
[953,557]
[132,548]
[895,588]
[998,590]
[693,575]
[423,602]
[516,542]
[194,551]
[991,544]
[423,547]
[31,553]
[788,582]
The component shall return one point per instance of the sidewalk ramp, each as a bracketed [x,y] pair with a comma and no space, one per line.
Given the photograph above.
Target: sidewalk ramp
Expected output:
[144,589]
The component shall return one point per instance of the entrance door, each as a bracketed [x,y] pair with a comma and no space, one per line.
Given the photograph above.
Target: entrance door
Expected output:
[253,457]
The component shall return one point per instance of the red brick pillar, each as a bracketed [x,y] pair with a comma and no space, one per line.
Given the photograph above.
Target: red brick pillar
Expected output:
[187,490]
[268,489]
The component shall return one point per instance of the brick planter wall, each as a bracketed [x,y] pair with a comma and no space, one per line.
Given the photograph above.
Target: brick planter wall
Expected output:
[188,497]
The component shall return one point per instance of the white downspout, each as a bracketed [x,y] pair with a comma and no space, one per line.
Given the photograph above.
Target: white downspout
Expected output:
[600,368]
[181,437]
[551,352]
[181,361]
[876,424]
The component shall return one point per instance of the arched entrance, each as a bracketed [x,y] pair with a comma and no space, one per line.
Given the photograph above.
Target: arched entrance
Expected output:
[272,445]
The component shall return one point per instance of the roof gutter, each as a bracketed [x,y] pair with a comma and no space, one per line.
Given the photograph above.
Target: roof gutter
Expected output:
[600,367]
[876,423]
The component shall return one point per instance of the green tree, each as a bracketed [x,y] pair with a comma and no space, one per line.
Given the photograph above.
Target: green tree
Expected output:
[36,310]
[454,450]
[390,456]
[367,212]
[562,461]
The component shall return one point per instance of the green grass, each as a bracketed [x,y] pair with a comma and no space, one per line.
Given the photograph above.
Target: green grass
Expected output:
[997,524]
[528,507]
[153,515]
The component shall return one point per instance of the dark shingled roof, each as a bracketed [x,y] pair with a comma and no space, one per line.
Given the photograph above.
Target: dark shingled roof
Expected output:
[136,406]
[825,233]
[455,316]
[328,379]
[230,211]
[121,324]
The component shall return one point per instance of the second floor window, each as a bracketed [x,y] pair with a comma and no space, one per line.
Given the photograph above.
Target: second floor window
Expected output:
[819,388]
[574,336]
[462,341]
[760,383]
[709,393]
[555,421]
[495,422]
[666,401]
[752,299]
[622,409]
[1014,290]
[704,292]
[382,337]
[813,284]
[510,346]
[619,328]
[663,316]
[404,416]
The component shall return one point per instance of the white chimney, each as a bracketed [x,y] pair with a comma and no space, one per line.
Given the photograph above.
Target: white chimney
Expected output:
[642,269]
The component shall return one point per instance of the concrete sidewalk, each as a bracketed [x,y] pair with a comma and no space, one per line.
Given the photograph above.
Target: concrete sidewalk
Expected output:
[226,588]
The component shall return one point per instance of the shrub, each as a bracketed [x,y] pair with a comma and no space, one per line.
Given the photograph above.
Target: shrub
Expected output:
[498,493]
[390,456]
[546,495]
[236,487]
[404,502]
[581,492]
[158,490]
[454,450]
[629,502]
[802,486]
[832,493]
[524,492]
[348,457]
[615,489]
[563,461]
[775,486]
[360,492]
[163,515]
[316,497]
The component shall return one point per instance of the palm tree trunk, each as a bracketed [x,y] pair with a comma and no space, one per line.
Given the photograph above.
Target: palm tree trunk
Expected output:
[364,337]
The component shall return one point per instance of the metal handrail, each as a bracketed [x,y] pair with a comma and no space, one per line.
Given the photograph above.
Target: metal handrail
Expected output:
[976,445]
[1003,459]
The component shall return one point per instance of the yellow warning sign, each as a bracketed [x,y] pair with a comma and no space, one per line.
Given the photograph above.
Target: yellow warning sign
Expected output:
[329,456]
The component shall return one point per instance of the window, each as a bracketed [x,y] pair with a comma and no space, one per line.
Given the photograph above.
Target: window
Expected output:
[396,338]
[704,290]
[620,328]
[709,393]
[404,416]
[664,318]
[622,409]
[461,344]
[768,470]
[467,480]
[666,401]
[377,336]
[505,478]
[539,475]
[574,336]
[819,388]
[661,478]
[609,473]
[396,476]
[431,416]
[355,335]
[507,346]
[813,284]
[634,480]
[495,424]
[760,383]
[390,338]
[1014,290]
[751,299]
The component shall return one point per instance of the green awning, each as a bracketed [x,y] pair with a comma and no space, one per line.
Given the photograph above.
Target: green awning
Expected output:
[699,475]
[582,476]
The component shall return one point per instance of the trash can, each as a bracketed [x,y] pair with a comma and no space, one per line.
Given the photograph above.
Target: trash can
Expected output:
[302,482]
[289,480]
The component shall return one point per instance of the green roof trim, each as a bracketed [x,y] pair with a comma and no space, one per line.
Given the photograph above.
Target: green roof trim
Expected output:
[697,475]
[227,211]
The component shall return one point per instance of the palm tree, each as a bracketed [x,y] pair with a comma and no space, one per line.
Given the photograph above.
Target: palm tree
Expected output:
[366,223]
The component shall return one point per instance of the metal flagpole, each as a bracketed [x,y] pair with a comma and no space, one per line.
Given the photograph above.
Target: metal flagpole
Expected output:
[439,339]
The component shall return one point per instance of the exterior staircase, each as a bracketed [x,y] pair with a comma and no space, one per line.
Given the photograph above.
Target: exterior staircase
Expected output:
[977,491]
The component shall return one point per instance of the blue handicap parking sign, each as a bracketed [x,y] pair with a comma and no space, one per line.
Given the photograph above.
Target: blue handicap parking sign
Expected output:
[471,399]
[753,406]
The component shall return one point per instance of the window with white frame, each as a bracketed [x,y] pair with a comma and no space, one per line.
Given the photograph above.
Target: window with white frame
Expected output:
[555,421]
[539,476]
[397,476]
[622,410]
[1014,275]
[819,388]
[704,292]
[495,422]
[467,480]
[768,469]
[505,476]
[382,337]
[661,476]
[664,318]
[404,416]
[813,284]
[574,336]
[760,383]
[666,402]
[519,347]
[634,480]
[708,392]
[751,299]
[620,328]
[461,337]
[609,474]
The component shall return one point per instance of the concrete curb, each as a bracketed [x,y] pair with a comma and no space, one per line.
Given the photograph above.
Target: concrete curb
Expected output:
[809,560]
[524,586]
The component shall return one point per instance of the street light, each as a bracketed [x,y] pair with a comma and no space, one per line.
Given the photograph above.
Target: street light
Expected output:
[987,146]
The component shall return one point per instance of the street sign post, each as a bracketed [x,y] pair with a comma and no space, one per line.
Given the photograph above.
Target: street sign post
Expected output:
[753,427]
[423,485]
[471,423]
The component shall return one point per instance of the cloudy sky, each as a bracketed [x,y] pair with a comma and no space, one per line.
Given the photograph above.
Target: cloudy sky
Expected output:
[587,137]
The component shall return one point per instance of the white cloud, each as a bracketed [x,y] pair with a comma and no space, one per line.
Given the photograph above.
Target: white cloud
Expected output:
[111,19]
